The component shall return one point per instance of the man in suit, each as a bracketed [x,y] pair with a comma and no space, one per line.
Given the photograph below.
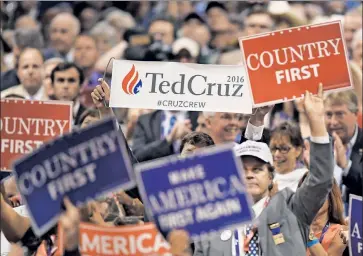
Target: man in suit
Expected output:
[23,38]
[281,224]
[341,115]
[67,79]
[30,72]
[63,31]
[158,134]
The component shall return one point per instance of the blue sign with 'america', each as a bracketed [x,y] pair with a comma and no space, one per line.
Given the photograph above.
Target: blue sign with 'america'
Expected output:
[356,225]
[201,194]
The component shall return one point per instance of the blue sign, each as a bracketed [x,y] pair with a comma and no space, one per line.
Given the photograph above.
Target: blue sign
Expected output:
[356,225]
[83,165]
[201,194]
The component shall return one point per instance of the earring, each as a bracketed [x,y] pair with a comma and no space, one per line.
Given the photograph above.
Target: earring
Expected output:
[270,187]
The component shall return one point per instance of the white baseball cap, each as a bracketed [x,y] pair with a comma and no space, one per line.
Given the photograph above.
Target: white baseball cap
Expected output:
[256,149]
[188,44]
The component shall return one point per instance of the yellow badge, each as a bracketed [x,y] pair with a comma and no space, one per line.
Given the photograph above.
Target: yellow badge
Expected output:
[279,239]
[311,236]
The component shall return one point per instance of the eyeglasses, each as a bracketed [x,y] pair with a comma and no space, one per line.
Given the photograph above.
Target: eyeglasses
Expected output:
[282,149]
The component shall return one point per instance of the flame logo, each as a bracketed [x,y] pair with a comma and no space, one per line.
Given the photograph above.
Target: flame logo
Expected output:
[131,84]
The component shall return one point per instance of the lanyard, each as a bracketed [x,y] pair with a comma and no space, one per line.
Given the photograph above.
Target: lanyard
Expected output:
[249,236]
[326,227]
[236,242]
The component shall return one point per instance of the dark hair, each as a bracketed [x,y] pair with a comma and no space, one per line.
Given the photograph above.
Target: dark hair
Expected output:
[291,130]
[65,66]
[197,139]
[258,9]
[336,207]
[163,18]
[87,35]
[168,19]
[215,4]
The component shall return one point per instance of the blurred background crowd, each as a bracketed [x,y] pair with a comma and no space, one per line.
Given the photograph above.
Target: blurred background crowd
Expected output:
[77,39]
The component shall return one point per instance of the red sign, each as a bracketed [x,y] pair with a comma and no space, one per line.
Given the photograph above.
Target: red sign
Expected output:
[25,125]
[135,240]
[282,65]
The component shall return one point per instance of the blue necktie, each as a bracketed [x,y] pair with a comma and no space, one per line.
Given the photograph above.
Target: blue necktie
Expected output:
[253,245]
[172,122]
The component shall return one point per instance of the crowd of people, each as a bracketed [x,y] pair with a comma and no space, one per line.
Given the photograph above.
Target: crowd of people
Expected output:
[310,151]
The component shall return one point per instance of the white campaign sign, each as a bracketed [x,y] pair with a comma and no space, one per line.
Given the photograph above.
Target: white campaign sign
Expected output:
[179,86]
[5,245]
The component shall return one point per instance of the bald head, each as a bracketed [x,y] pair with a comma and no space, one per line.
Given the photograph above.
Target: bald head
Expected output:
[352,22]
[63,31]
[26,22]
[30,69]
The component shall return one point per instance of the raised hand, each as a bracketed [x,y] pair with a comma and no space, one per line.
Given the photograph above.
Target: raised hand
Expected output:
[101,94]
[179,130]
[340,152]
[314,109]
[314,105]
[258,115]
[70,221]
[179,243]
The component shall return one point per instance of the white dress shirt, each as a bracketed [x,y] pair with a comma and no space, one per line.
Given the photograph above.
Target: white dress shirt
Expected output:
[37,96]
[257,209]
[289,180]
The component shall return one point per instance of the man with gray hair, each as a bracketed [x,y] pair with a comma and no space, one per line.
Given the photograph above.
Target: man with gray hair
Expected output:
[63,31]
[225,127]
[23,38]
[341,120]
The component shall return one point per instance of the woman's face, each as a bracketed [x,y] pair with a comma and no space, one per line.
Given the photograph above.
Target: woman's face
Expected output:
[284,154]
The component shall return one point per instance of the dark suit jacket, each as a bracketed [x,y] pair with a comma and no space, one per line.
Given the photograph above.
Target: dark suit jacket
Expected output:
[9,79]
[294,211]
[354,179]
[147,144]
[77,119]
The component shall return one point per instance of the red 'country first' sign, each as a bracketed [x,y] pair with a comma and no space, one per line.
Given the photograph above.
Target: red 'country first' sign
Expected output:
[281,65]
[135,240]
[26,125]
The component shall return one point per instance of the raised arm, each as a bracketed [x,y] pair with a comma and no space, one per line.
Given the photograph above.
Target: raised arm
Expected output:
[310,197]
[255,126]
[12,224]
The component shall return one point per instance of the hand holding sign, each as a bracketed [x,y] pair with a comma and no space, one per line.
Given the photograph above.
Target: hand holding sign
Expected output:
[258,116]
[179,243]
[101,94]
[70,221]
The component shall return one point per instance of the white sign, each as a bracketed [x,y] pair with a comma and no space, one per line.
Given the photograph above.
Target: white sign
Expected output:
[179,86]
[5,245]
